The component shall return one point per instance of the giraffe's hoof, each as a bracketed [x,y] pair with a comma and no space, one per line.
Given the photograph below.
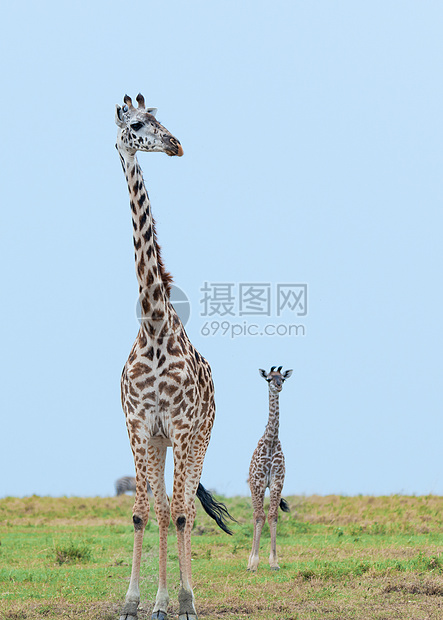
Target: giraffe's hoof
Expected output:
[129,611]
[159,615]
[187,616]
[275,567]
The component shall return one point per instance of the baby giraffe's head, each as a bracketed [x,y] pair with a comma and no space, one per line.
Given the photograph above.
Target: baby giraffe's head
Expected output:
[140,131]
[275,378]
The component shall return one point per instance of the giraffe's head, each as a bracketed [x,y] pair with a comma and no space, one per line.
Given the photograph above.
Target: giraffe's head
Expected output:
[275,378]
[140,131]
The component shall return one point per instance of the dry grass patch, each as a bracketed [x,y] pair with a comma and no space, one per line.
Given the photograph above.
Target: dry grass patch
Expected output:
[375,515]
[429,586]
[85,610]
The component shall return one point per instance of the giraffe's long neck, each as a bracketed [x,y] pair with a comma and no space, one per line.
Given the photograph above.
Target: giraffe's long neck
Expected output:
[153,280]
[271,430]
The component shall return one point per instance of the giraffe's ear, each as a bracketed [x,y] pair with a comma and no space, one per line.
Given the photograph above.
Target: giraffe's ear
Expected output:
[263,373]
[287,374]
[119,116]
[152,111]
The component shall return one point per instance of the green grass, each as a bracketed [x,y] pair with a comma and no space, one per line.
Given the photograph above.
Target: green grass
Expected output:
[340,557]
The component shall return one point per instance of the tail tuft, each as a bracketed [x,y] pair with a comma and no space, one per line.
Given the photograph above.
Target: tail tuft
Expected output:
[216,510]
[284,505]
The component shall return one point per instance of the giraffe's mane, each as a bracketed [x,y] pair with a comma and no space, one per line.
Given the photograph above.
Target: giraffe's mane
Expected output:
[165,276]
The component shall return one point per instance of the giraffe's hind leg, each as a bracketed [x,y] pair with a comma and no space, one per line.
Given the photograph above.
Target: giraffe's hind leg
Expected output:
[180,515]
[259,517]
[195,467]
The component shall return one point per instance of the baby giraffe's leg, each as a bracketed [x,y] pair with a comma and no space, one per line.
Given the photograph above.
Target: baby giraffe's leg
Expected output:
[259,518]
[275,496]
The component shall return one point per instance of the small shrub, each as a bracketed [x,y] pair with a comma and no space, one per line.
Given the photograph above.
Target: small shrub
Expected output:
[355,530]
[72,552]
[425,563]
[377,529]
[44,610]
[307,574]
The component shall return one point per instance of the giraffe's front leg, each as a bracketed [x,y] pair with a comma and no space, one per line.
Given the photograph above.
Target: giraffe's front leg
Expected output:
[140,519]
[156,478]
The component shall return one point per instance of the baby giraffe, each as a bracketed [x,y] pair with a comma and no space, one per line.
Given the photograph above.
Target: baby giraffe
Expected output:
[267,470]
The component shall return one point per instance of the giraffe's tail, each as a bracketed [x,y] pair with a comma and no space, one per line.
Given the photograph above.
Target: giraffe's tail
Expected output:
[284,505]
[216,510]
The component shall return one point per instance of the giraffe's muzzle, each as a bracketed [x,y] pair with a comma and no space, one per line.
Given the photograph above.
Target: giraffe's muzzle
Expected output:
[174,146]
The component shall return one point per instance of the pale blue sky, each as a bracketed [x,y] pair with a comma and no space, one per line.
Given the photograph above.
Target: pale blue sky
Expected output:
[312,134]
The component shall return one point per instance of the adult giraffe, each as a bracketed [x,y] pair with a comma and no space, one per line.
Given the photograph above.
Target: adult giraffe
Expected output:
[166,385]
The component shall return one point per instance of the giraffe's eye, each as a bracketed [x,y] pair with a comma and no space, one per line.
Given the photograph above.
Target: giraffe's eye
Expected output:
[136,126]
